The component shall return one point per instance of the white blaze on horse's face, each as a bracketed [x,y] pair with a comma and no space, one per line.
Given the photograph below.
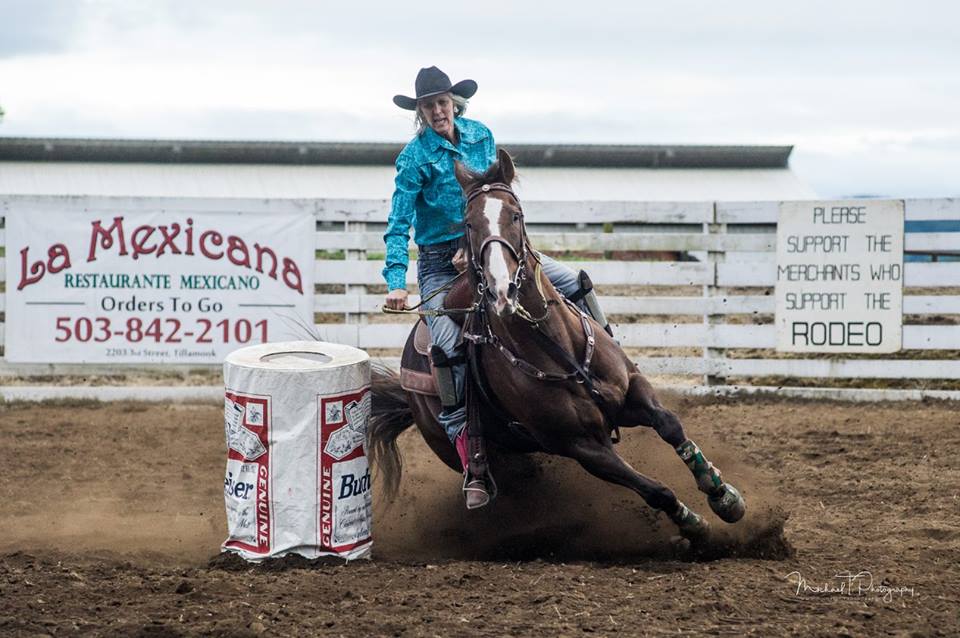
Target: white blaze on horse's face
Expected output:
[499,282]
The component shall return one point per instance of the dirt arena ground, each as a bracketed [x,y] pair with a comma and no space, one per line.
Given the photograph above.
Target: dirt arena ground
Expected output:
[111,517]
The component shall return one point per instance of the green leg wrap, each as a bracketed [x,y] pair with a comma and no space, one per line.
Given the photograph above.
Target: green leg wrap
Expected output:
[692,526]
[707,476]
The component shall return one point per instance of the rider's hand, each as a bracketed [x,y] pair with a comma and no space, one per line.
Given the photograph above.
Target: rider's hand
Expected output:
[460,260]
[396,299]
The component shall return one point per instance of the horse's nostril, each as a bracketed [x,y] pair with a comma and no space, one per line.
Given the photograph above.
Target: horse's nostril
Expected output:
[512,290]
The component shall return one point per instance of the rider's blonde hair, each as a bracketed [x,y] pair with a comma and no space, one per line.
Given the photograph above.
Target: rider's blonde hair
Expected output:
[459,108]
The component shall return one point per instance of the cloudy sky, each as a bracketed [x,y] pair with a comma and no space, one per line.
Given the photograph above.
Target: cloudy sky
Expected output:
[867,91]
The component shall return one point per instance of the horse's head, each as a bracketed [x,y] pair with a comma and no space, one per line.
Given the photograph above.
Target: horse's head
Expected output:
[496,239]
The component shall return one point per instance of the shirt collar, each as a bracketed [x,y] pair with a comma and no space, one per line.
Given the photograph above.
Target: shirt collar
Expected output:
[469,132]
[433,141]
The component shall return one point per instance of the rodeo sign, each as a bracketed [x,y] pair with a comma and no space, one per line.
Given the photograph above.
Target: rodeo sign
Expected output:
[85,285]
[840,276]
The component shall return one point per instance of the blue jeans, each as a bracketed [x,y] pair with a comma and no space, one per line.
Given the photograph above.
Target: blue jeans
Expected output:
[434,269]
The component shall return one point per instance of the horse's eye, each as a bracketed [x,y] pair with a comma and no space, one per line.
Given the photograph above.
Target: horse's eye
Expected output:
[468,225]
[516,218]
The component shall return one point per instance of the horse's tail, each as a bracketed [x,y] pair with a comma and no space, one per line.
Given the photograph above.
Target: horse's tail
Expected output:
[390,415]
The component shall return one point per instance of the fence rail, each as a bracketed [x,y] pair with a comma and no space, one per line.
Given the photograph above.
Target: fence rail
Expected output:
[721,305]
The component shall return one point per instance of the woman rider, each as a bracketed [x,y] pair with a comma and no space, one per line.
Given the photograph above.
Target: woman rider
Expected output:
[428,196]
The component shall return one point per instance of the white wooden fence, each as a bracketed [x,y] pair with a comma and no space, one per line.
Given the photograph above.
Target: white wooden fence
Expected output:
[724,301]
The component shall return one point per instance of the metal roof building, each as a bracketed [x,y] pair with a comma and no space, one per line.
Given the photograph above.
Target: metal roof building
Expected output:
[248,169]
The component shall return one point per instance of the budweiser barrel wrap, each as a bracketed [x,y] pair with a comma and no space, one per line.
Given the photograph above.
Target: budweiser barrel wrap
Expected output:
[297,477]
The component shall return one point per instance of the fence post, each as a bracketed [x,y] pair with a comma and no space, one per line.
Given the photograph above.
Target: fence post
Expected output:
[710,291]
[356,254]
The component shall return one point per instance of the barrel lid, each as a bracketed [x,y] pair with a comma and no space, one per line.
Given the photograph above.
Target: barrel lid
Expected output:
[296,355]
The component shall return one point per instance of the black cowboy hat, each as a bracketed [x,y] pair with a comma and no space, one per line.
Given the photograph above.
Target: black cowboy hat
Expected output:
[433,81]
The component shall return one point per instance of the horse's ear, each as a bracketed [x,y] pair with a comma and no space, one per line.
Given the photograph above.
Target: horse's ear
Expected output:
[464,176]
[507,170]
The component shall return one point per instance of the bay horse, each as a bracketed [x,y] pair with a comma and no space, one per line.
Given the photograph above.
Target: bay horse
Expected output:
[543,376]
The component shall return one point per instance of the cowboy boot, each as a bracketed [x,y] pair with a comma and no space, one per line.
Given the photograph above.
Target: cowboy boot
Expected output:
[724,499]
[443,367]
[474,488]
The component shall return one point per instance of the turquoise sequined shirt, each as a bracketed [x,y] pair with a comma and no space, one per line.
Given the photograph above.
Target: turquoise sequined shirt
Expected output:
[427,194]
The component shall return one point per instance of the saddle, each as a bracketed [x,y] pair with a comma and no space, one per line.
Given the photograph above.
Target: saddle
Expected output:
[416,368]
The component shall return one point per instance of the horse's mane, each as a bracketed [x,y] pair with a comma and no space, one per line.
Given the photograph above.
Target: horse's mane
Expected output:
[493,175]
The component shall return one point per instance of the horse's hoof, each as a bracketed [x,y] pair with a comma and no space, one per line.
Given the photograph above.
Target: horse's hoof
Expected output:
[696,531]
[693,527]
[680,547]
[728,505]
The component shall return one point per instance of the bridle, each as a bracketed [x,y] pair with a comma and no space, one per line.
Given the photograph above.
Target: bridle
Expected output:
[476,258]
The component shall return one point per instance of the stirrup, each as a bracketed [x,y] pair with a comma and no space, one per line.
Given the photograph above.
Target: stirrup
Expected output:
[475,492]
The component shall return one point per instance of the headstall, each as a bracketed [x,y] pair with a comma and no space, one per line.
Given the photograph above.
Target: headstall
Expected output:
[476,258]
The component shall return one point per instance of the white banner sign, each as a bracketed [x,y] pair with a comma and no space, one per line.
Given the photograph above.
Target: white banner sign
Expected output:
[153,287]
[840,276]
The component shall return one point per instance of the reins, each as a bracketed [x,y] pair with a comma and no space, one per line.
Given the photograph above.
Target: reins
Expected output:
[437,312]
